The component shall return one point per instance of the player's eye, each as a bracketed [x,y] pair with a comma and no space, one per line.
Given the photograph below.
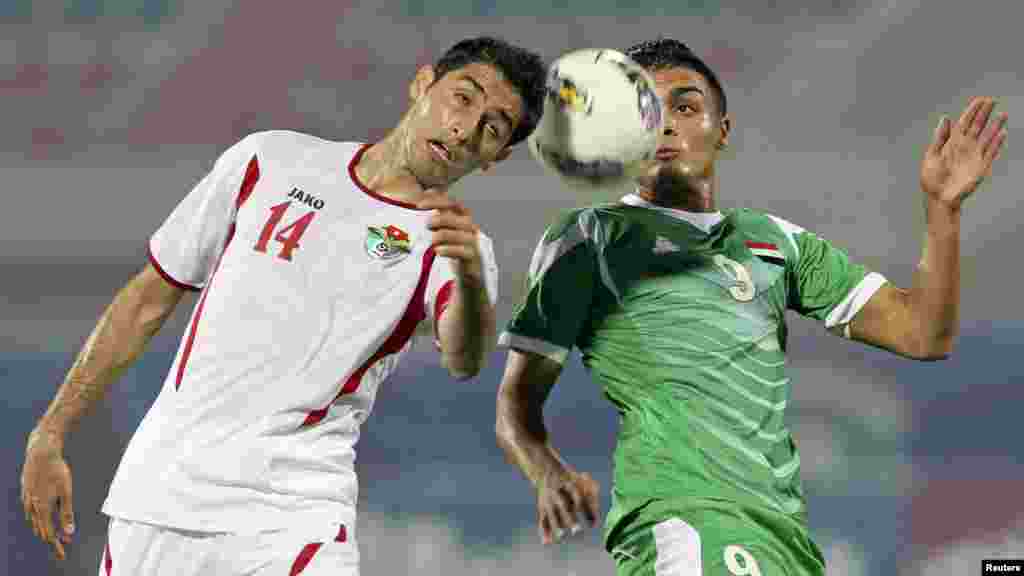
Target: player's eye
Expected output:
[685,108]
[463,98]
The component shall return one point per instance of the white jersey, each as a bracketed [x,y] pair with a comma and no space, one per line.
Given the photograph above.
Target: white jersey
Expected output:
[311,287]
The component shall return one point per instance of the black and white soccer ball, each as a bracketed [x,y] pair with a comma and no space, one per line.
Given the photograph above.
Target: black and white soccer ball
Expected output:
[601,120]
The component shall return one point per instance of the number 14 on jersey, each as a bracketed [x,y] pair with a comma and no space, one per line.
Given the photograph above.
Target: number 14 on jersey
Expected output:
[288,236]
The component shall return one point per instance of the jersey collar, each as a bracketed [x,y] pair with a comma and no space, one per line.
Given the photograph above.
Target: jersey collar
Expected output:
[705,221]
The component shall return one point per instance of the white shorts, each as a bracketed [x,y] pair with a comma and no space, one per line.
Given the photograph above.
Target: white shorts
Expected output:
[140,549]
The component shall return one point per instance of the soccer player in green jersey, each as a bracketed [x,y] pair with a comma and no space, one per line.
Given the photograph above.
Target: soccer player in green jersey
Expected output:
[679,308]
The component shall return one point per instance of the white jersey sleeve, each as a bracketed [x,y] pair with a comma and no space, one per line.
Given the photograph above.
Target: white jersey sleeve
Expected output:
[186,247]
[442,282]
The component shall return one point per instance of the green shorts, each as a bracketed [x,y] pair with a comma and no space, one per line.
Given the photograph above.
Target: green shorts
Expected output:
[713,538]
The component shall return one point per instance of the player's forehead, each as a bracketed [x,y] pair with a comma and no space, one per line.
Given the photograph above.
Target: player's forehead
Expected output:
[678,80]
[487,79]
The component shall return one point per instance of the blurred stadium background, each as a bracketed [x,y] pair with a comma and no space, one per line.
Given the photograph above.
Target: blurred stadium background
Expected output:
[112,109]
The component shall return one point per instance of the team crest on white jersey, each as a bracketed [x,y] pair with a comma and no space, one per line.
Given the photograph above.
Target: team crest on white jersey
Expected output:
[387,243]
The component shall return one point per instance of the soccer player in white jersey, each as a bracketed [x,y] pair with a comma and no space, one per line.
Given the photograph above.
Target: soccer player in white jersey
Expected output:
[314,261]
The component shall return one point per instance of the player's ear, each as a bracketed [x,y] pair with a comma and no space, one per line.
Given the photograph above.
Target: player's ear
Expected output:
[724,127]
[505,153]
[421,82]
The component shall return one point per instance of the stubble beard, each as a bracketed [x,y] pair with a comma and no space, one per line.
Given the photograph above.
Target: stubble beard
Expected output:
[674,187]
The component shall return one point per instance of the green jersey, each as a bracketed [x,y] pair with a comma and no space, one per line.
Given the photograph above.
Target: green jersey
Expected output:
[681,318]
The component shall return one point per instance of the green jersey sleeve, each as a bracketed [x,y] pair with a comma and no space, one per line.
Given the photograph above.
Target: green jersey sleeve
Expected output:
[824,283]
[560,289]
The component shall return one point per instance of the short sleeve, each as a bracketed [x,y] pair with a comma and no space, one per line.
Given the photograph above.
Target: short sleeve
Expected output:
[560,289]
[824,283]
[187,245]
[442,281]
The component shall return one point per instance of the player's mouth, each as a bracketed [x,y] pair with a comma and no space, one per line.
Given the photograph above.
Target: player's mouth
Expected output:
[441,152]
[666,154]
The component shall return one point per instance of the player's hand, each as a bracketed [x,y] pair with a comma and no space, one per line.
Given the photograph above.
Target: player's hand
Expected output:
[455,236]
[45,490]
[564,498]
[961,154]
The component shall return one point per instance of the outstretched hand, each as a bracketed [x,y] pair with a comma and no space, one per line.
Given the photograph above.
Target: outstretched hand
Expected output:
[961,155]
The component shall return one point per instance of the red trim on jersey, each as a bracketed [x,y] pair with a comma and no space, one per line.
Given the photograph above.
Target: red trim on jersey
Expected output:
[441,302]
[252,175]
[761,245]
[310,550]
[366,189]
[167,277]
[190,341]
[444,297]
[304,558]
[414,313]
[108,563]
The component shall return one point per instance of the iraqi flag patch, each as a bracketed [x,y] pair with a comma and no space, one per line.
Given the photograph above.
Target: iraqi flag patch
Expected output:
[767,251]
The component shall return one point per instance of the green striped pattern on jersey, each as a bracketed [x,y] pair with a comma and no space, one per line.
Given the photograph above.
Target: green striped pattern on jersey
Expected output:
[685,330]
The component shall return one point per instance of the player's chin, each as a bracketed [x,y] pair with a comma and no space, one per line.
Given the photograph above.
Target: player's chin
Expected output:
[658,170]
[432,175]
[681,169]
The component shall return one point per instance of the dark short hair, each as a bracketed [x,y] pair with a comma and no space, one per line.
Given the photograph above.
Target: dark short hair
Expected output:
[522,68]
[664,53]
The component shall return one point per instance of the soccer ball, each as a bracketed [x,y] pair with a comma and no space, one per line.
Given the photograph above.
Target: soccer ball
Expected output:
[600,122]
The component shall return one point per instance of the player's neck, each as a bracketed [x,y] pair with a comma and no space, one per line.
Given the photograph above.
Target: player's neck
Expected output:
[693,195]
[383,169]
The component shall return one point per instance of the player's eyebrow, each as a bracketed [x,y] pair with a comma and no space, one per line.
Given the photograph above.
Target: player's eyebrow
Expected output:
[471,80]
[681,91]
[505,116]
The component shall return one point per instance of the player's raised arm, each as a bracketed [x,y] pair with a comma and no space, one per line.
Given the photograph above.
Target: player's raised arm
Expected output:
[563,494]
[119,338]
[563,282]
[922,322]
[466,333]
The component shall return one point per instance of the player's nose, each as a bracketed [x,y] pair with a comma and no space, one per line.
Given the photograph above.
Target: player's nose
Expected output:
[460,135]
[669,126]
[468,125]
